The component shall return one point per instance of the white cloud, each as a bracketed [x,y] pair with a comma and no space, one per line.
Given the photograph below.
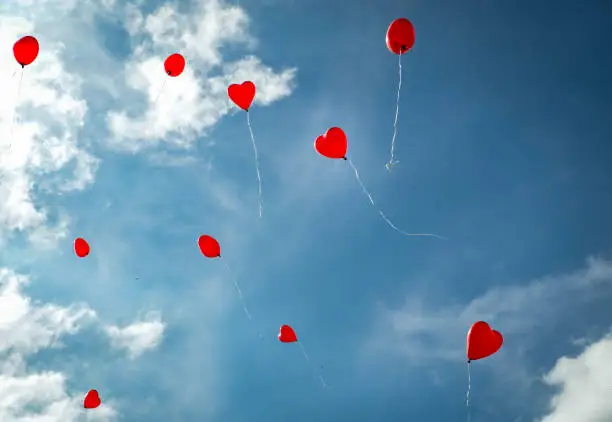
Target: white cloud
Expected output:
[137,337]
[40,150]
[49,154]
[420,332]
[45,392]
[26,328]
[196,100]
[585,385]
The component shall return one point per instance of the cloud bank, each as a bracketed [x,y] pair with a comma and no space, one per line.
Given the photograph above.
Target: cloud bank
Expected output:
[77,102]
[585,385]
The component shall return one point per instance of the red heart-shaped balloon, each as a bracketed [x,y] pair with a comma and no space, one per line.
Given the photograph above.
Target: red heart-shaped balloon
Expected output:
[92,400]
[482,341]
[286,334]
[174,65]
[209,246]
[333,144]
[242,95]
[26,50]
[81,247]
[400,36]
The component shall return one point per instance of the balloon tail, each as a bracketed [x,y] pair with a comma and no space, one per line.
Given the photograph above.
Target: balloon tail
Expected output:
[467,396]
[260,199]
[392,161]
[323,383]
[160,90]
[15,109]
[239,291]
[384,217]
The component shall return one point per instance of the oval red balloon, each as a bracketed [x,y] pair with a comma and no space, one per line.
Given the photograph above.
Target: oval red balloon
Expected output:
[26,50]
[81,247]
[242,95]
[400,36]
[92,400]
[174,65]
[209,246]
[482,341]
[333,144]
[286,334]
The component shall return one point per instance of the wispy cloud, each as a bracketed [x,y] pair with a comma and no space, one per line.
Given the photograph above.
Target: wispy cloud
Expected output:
[534,317]
[421,332]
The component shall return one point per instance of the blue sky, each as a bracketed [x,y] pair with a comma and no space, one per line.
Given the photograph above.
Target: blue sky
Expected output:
[503,148]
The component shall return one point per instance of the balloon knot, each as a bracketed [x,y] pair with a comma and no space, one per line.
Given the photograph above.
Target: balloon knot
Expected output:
[22,65]
[344,158]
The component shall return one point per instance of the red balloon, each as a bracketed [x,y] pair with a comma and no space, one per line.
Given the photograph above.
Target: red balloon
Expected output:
[287,335]
[242,95]
[81,247]
[26,50]
[333,144]
[209,246]
[174,65]
[92,400]
[482,341]
[400,36]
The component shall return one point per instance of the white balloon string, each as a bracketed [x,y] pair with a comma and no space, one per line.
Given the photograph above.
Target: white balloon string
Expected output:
[161,90]
[384,217]
[240,295]
[392,161]
[467,396]
[260,199]
[323,383]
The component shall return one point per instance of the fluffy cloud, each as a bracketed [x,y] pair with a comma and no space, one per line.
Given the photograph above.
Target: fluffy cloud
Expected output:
[585,385]
[178,110]
[45,392]
[43,150]
[420,333]
[26,328]
[41,113]
[138,337]
[46,151]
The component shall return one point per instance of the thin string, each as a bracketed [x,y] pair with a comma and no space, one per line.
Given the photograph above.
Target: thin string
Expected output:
[239,291]
[397,102]
[467,396]
[323,383]
[160,90]
[15,108]
[384,217]
[256,164]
